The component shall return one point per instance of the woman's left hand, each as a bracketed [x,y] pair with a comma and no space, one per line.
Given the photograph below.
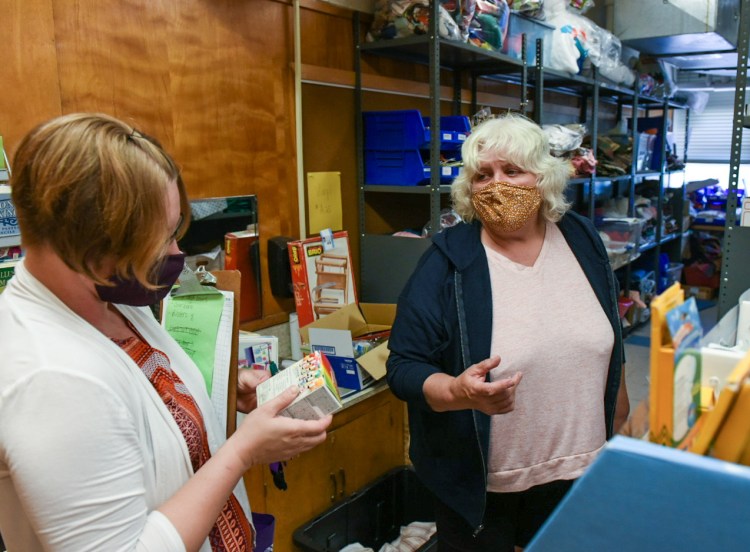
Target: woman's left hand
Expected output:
[248,381]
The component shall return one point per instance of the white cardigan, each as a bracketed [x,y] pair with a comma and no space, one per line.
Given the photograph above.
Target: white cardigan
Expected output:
[88,450]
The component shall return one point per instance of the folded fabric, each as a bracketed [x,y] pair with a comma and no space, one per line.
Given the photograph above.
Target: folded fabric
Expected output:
[412,537]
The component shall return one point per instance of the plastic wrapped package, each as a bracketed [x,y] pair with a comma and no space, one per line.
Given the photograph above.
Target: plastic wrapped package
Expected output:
[530,8]
[489,24]
[400,18]
[569,40]
[564,138]
[448,218]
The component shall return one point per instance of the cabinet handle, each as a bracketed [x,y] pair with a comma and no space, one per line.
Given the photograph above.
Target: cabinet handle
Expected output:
[334,487]
[342,473]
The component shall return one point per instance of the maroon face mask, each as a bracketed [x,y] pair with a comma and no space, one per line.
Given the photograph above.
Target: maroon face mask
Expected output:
[129,291]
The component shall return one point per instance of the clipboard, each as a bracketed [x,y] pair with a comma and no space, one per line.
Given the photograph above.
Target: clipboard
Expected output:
[229,280]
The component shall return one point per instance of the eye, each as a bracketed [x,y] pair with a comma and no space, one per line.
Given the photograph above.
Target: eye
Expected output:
[513,171]
[481,177]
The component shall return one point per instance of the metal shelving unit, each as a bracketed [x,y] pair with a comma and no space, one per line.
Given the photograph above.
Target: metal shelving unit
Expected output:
[397,256]
[735,268]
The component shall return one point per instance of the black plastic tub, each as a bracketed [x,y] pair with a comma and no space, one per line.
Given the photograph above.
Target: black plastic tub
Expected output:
[372,516]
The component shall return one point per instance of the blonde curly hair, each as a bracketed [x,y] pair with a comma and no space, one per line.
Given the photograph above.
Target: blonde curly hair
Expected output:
[520,141]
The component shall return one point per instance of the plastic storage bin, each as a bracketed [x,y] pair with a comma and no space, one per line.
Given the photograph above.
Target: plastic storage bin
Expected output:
[372,516]
[401,168]
[407,129]
[533,29]
[621,237]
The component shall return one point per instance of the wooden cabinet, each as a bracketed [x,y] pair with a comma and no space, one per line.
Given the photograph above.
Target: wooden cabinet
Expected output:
[365,440]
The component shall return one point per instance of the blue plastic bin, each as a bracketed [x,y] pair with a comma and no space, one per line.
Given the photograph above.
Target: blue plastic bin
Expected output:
[407,129]
[401,168]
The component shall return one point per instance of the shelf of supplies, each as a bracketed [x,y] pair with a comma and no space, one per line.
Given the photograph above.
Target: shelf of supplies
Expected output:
[648,174]
[707,228]
[374,188]
[670,237]
[646,246]
[453,55]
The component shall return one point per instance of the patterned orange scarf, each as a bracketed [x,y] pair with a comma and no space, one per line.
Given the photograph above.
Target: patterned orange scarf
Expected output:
[231,532]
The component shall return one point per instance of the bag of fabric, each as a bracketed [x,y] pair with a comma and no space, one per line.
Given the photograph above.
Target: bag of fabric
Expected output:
[400,18]
[490,24]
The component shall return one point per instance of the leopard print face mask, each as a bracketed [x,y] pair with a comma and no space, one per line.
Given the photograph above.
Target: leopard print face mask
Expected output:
[505,207]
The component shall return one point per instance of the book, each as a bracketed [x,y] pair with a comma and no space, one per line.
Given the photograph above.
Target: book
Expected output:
[319,395]
[715,417]
[7,269]
[241,252]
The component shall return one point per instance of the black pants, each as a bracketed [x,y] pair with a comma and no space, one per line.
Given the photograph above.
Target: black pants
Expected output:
[511,519]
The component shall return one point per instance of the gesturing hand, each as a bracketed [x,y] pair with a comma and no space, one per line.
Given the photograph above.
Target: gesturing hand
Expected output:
[470,390]
[265,436]
[247,382]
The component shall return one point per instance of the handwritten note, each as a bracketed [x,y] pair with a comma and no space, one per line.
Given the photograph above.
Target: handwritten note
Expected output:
[324,199]
[193,321]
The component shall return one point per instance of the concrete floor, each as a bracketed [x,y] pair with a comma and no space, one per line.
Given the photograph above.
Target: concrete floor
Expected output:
[637,347]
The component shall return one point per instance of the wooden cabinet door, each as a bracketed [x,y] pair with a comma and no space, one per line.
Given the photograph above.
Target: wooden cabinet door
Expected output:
[367,447]
[310,482]
[365,441]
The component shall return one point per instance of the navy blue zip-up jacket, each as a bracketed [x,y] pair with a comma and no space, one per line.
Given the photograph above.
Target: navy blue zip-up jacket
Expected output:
[444,324]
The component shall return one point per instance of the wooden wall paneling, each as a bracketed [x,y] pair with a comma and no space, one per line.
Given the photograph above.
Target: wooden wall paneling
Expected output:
[112,58]
[30,89]
[233,89]
[213,81]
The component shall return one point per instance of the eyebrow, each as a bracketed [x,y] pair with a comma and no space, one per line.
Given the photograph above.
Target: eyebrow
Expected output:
[177,228]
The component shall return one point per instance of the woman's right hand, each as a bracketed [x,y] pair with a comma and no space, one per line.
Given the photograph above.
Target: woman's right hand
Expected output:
[470,390]
[265,436]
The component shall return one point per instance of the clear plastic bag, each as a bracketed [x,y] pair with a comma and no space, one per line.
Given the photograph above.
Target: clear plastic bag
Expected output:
[564,138]
[400,18]
[448,218]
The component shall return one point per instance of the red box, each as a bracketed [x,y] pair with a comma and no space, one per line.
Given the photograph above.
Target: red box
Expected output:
[323,281]
[241,252]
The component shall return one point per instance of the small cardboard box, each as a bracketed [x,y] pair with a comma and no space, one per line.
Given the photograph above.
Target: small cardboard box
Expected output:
[334,334]
[319,395]
[323,280]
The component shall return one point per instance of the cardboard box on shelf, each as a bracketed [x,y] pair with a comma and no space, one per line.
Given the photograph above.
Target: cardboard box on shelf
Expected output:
[322,279]
[334,335]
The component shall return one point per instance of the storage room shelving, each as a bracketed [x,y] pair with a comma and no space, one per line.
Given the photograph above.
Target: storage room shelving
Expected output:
[735,268]
[386,261]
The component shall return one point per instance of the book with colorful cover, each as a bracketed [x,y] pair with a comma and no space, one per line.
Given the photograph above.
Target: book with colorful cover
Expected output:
[7,270]
[313,375]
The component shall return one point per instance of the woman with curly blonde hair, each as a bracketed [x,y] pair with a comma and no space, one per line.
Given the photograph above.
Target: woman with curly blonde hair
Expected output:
[507,345]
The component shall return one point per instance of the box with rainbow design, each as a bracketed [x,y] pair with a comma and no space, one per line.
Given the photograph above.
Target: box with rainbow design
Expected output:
[319,394]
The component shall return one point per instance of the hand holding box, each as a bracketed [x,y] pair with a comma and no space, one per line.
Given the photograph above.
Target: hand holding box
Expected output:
[319,395]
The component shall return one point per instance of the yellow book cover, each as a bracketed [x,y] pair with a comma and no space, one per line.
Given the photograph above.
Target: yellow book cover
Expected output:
[661,362]
[716,416]
[734,432]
